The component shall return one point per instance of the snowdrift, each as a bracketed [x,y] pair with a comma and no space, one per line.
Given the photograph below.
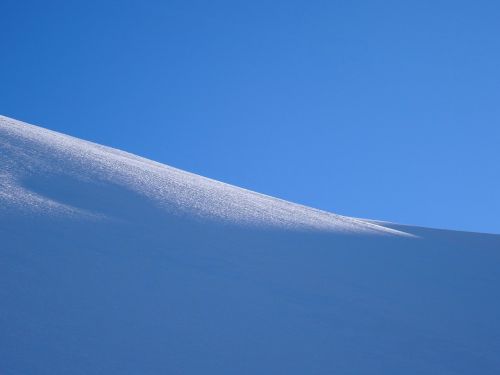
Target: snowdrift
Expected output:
[114,264]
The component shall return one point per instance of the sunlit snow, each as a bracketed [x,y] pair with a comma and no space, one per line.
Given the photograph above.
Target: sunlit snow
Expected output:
[31,153]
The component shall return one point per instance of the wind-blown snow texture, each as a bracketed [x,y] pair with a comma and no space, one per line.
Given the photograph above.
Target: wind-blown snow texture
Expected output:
[114,264]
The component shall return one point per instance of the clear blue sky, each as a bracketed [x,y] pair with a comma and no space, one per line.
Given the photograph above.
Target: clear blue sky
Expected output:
[380,109]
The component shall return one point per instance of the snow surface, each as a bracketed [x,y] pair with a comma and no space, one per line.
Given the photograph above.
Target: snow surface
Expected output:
[114,264]
[41,167]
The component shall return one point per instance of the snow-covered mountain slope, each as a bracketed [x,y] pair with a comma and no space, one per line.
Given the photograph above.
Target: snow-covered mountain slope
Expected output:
[114,264]
[49,173]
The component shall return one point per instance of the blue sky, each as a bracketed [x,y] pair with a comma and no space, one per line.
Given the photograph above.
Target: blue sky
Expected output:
[379,109]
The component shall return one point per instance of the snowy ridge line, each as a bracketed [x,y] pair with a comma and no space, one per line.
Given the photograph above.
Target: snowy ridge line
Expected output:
[30,153]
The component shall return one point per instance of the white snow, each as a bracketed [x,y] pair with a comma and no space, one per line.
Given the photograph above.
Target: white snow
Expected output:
[32,151]
[114,264]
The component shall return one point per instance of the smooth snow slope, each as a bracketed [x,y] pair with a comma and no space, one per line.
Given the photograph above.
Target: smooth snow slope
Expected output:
[114,264]
[38,161]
